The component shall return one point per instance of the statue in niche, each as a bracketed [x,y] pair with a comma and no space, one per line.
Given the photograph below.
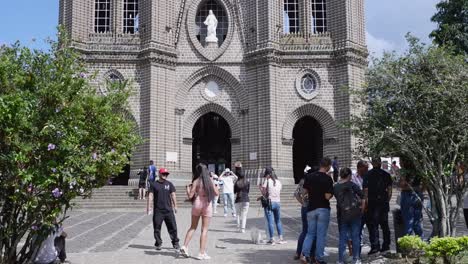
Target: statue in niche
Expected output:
[211,22]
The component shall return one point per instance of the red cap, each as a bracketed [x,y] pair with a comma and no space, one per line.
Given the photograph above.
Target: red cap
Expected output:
[163,171]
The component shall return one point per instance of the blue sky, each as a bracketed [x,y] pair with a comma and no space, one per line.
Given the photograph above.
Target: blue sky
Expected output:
[387,22]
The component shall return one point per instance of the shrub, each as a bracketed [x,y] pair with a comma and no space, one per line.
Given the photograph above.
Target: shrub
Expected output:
[59,139]
[447,248]
[412,246]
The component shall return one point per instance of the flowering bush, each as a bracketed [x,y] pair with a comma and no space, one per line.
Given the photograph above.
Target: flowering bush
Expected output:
[59,139]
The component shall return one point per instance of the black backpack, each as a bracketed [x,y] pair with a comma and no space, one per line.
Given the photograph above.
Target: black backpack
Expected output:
[349,204]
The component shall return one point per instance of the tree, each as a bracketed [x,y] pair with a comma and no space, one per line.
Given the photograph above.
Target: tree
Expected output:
[452,20]
[59,139]
[417,107]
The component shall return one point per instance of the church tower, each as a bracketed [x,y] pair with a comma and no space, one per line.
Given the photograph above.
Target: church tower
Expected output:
[269,92]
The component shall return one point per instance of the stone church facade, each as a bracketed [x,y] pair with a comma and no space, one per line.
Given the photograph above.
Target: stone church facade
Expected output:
[272,92]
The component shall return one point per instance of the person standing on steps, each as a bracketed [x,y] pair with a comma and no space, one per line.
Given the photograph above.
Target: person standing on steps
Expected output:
[165,208]
[241,189]
[336,169]
[152,173]
[377,187]
[229,178]
[201,191]
[143,177]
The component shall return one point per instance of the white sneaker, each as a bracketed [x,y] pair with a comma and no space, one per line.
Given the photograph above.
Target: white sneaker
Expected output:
[225,215]
[357,261]
[184,252]
[203,256]
[242,230]
[281,241]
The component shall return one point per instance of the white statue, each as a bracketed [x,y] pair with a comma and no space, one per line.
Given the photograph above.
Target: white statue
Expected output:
[211,22]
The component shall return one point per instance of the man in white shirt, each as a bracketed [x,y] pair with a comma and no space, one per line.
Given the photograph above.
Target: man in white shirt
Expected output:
[358,177]
[229,178]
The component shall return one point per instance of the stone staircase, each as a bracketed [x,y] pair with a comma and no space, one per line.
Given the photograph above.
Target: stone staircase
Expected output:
[125,197]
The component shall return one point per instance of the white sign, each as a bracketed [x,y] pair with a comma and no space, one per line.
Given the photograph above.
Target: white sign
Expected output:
[253,156]
[171,156]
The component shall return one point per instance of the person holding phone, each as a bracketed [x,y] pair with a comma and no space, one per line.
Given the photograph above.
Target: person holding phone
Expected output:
[228,178]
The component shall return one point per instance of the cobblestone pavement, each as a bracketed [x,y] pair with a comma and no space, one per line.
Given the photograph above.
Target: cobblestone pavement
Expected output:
[127,237]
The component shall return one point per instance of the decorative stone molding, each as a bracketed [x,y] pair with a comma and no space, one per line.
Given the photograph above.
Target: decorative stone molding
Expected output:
[218,73]
[210,54]
[330,129]
[205,109]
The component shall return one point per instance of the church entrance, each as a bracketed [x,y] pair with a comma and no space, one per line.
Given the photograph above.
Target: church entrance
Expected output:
[211,142]
[307,146]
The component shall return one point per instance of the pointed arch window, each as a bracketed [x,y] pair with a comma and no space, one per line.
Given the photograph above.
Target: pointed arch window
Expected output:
[319,16]
[102,16]
[130,16]
[291,21]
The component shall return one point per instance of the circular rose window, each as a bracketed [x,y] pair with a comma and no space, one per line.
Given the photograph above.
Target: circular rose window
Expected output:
[308,84]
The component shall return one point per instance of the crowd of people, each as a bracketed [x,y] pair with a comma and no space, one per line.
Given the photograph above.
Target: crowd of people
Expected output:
[362,199]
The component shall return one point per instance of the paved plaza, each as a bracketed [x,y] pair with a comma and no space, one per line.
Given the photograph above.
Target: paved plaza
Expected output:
[126,236]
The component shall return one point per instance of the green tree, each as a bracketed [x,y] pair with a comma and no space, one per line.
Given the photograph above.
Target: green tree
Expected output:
[59,139]
[452,21]
[417,107]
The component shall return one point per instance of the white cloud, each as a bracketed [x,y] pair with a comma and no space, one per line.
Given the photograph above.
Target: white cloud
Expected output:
[377,46]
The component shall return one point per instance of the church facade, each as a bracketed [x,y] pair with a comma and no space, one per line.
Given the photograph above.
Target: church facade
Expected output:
[272,91]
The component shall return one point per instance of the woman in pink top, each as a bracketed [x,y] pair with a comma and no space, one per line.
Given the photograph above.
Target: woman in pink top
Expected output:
[271,187]
[202,191]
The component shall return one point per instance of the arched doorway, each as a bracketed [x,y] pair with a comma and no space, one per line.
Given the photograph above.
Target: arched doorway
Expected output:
[211,142]
[307,146]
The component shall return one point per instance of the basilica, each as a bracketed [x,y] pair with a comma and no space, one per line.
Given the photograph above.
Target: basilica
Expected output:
[263,82]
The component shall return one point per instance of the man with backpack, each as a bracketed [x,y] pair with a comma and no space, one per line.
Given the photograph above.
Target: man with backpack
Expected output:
[350,207]
[377,187]
[152,174]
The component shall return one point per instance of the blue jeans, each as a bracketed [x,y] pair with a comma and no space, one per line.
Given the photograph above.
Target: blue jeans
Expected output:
[317,228]
[273,216]
[354,228]
[411,211]
[228,198]
[300,240]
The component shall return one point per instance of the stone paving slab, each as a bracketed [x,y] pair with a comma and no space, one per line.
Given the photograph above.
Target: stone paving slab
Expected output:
[127,237]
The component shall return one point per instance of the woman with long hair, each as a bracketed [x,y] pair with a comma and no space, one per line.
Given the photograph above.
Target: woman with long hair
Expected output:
[202,191]
[271,188]
[241,189]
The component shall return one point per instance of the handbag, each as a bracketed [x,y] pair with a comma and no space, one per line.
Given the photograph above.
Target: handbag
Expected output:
[265,199]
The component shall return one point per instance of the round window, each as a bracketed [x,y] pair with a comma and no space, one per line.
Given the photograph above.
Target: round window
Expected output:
[211,89]
[308,84]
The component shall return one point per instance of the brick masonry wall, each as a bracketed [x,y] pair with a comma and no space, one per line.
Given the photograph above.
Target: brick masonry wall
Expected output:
[256,69]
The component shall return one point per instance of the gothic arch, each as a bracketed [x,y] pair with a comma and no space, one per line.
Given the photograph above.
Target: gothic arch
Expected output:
[211,107]
[218,72]
[330,129]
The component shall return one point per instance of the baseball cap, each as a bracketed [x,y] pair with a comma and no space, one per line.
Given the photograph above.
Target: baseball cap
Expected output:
[163,171]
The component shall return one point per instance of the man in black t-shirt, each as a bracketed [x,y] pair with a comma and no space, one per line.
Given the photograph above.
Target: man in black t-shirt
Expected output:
[377,187]
[319,187]
[164,207]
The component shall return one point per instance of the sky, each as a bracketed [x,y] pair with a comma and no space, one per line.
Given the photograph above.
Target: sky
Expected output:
[387,22]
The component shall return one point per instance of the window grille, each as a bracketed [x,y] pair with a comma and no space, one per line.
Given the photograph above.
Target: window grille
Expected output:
[102,15]
[319,16]
[291,16]
[130,19]
[221,16]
